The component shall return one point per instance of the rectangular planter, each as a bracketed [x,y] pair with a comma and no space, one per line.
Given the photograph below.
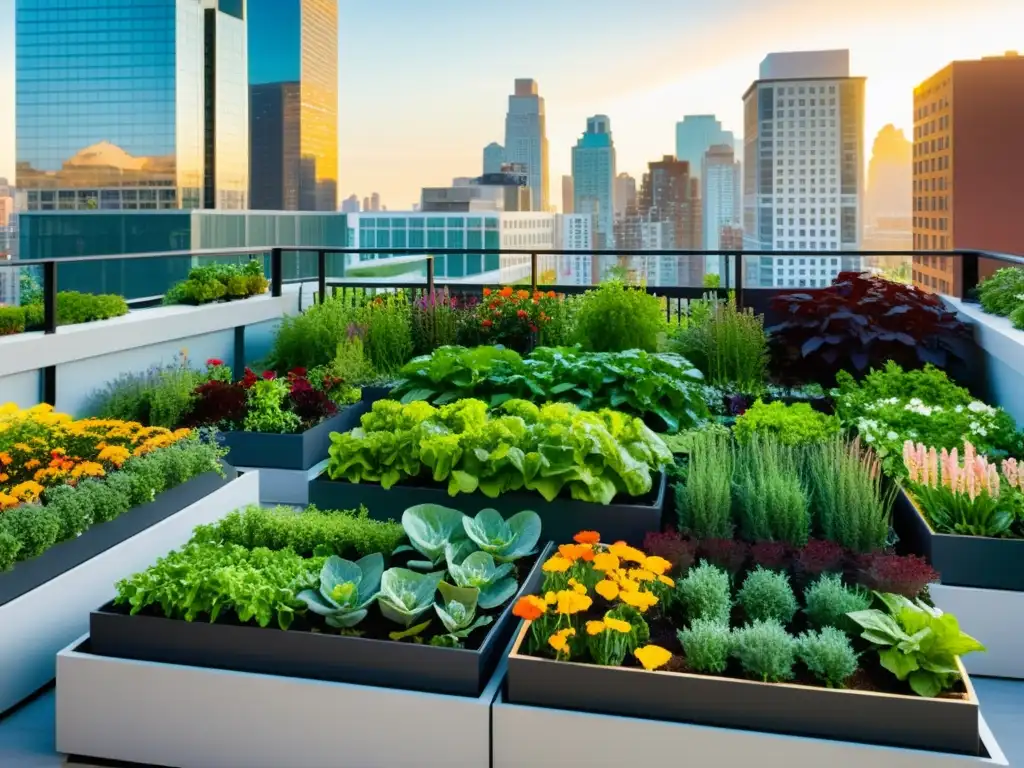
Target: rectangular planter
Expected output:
[962,561]
[286,486]
[36,625]
[559,738]
[190,717]
[625,520]
[996,618]
[310,655]
[885,719]
[266,450]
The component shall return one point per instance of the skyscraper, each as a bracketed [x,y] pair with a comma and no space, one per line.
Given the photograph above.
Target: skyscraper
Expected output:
[526,140]
[568,195]
[968,118]
[625,194]
[593,178]
[695,135]
[375,201]
[803,167]
[721,199]
[145,108]
[293,86]
[494,158]
[668,194]
[350,204]
[889,192]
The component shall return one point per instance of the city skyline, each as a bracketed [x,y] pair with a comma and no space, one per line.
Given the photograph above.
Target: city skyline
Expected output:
[383,149]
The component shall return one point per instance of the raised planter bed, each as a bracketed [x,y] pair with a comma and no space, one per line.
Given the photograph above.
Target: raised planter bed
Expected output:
[624,519]
[301,654]
[946,725]
[559,738]
[37,624]
[286,486]
[962,561]
[171,715]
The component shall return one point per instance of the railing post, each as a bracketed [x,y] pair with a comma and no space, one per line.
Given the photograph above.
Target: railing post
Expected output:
[276,276]
[430,276]
[968,273]
[738,278]
[533,272]
[50,297]
[321,275]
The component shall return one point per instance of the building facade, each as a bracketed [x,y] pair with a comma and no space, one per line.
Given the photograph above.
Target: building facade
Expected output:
[721,201]
[967,119]
[293,92]
[568,195]
[625,194]
[695,135]
[669,194]
[350,204]
[526,139]
[575,233]
[803,168]
[593,178]
[131,104]
[494,158]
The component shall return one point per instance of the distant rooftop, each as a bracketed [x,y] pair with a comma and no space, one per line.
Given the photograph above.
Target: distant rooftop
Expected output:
[795,65]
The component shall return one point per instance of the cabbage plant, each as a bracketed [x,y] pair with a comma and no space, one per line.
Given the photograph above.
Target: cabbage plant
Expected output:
[458,614]
[504,540]
[479,571]
[406,595]
[431,529]
[346,590]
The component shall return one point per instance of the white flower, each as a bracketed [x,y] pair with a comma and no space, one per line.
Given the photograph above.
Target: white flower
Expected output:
[890,435]
[915,401]
[912,434]
[959,409]
[869,438]
[975,426]
[982,431]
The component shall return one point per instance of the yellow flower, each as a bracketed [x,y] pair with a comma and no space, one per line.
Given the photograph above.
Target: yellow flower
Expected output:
[641,575]
[571,602]
[628,585]
[560,639]
[550,598]
[639,600]
[88,469]
[626,552]
[577,587]
[609,590]
[618,625]
[652,656]
[115,454]
[605,562]
[595,627]
[658,565]
[666,581]
[557,564]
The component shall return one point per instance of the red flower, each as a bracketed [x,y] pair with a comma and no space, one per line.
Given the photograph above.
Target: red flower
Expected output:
[269,375]
[300,372]
[213,362]
[533,327]
[487,323]
[248,379]
[521,313]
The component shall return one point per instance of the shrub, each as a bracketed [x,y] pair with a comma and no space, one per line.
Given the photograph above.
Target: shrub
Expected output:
[707,645]
[846,485]
[820,556]
[614,317]
[704,500]
[12,320]
[35,529]
[388,344]
[771,501]
[212,282]
[511,317]
[906,575]
[673,547]
[311,338]
[727,554]
[1017,317]
[435,321]
[10,548]
[765,651]
[797,424]
[1001,293]
[705,594]
[828,655]
[828,600]
[74,307]
[729,345]
[859,322]
[767,595]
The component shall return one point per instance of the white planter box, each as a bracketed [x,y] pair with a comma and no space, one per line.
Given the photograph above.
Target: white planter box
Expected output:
[286,486]
[190,717]
[996,618]
[552,738]
[35,626]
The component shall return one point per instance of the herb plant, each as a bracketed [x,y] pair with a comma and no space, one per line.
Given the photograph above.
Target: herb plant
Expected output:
[615,317]
[767,595]
[828,655]
[707,644]
[771,500]
[729,345]
[796,424]
[388,342]
[827,601]
[765,651]
[1002,293]
[705,594]
[704,500]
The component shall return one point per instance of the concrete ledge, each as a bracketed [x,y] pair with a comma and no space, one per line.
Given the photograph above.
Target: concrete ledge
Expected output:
[286,486]
[996,618]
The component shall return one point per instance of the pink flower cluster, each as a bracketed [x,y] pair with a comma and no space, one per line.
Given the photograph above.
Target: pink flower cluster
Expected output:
[975,476]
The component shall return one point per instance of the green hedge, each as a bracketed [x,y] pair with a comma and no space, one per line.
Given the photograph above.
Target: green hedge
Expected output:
[72,307]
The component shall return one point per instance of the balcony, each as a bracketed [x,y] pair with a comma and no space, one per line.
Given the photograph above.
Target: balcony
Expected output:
[765,454]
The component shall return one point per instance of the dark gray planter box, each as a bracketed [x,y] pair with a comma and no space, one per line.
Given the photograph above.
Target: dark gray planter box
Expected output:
[622,520]
[302,654]
[962,561]
[268,450]
[946,725]
[29,574]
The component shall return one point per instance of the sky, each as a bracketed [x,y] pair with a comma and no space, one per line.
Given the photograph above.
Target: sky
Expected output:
[424,85]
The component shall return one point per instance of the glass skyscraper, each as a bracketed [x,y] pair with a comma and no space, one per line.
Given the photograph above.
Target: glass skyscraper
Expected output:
[131,104]
[293,101]
[593,178]
[695,135]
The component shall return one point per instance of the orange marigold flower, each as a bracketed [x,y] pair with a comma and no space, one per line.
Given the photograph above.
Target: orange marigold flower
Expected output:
[521,313]
[487,291]
[522,294]
[530,608]
[506,291]
[574,551]
[487,323]
[5,459]
[551,294]
[587,537]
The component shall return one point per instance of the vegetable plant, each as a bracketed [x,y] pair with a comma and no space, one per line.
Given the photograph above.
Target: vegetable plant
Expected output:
[435,532]
[480,572]
[797,424]
[458,614]
[406,595]
[504,540]
[347,589]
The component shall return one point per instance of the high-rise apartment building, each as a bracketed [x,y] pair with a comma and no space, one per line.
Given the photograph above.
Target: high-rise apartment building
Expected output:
[695,135]
[131,104]
[575,233]
[968,117]
[803,168]
[293,82]
[350,204]
[375,201]
[721,201]
[668,194]
[625,194]
[568,195]
[593,178]
[494,158]
[526,140]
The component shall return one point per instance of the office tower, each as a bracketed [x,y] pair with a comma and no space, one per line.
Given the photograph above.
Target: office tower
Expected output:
[526,140]
[721,200]
[568,195]
[593,178]
[695,135]
[968,119]
[625,194]
[494,158]
[803,168]
[366,203]
[375,201]
[293,90]
[888,216]
[144,108]
[350,204]
[575,233]
[668,194]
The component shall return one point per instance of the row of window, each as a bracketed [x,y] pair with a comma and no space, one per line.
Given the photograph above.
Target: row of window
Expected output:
[432,222]
[807,233]
[812,245]
[800,90]
[931,242]
[932,165]
[935,203]
[930,281]
[933,145]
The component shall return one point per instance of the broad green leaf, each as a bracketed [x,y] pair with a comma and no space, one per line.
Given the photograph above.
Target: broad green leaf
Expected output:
[430,527]
[900,664]
[406,595]
[410,632]
[925,684]
[417,394]
[497,593]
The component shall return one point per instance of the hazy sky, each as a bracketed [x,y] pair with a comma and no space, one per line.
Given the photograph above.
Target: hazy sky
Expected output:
[424,85]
